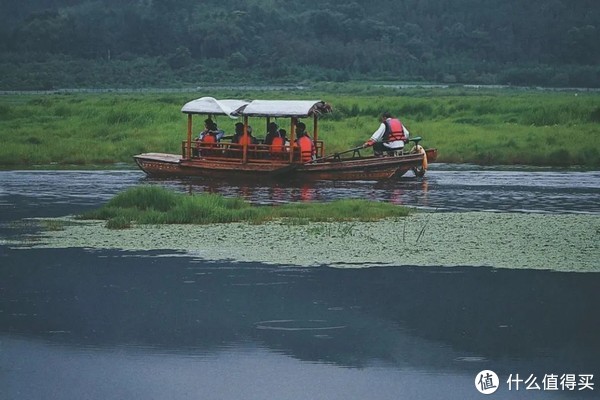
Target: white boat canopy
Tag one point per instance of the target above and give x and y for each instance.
(210, 105)
(284, 108)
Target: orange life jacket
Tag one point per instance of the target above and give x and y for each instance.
(245, 140)
(277, 144)
(307, 148)
(394, 130)
(209, 139)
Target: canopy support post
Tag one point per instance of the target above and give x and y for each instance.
(316, 135)
(189, 137)
(292, 138)
(245, 143)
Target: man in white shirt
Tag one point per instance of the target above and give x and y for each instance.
(390, 136)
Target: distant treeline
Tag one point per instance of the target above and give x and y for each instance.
(46, 44)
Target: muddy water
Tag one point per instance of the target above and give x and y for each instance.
(106, 324)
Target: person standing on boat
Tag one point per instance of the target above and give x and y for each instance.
(389, 137)
(307, 146)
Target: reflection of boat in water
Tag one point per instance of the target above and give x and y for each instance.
(262, 161)
(402, 191)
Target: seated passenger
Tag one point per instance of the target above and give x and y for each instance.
(307, 147)
(209, 137)
(210, 128)
(208, 123)
(239, 131)
(275, 140)
(278, 144)
(248, 138)
(272, 133)
(283, 133)
(206, 145)
(389, 138)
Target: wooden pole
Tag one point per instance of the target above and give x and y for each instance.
(292, 137)
(316, 133)
(245, 144)
(189, 137)
(268, 123)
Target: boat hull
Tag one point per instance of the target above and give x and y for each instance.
(364, 168)
(370, 168)
(166, 165)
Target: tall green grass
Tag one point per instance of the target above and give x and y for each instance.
(484, 127)
(85, 129)
(156, 205)
(543, 129)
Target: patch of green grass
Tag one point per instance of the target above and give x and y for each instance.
(156, 205)
(119, 222)
(53, 224)
(465, 126)
(56, 224)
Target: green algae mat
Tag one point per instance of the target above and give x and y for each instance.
(501, 240)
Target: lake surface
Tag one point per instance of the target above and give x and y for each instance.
(446, 187)
(106, 324)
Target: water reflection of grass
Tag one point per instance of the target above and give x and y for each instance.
(156, 205)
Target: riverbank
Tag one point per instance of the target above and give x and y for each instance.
(501, 240)
(479, 126)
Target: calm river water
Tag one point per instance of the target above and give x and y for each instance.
(106, 324)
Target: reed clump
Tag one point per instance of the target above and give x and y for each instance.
(156, 205)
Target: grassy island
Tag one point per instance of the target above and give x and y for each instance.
(156, 205)
(502, 240)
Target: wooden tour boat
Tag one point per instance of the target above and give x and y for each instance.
(226, 159)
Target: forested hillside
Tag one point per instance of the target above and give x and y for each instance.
(132, 43)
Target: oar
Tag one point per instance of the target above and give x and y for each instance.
(335, 155)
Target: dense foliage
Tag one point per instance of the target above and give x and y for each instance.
(91, 43)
